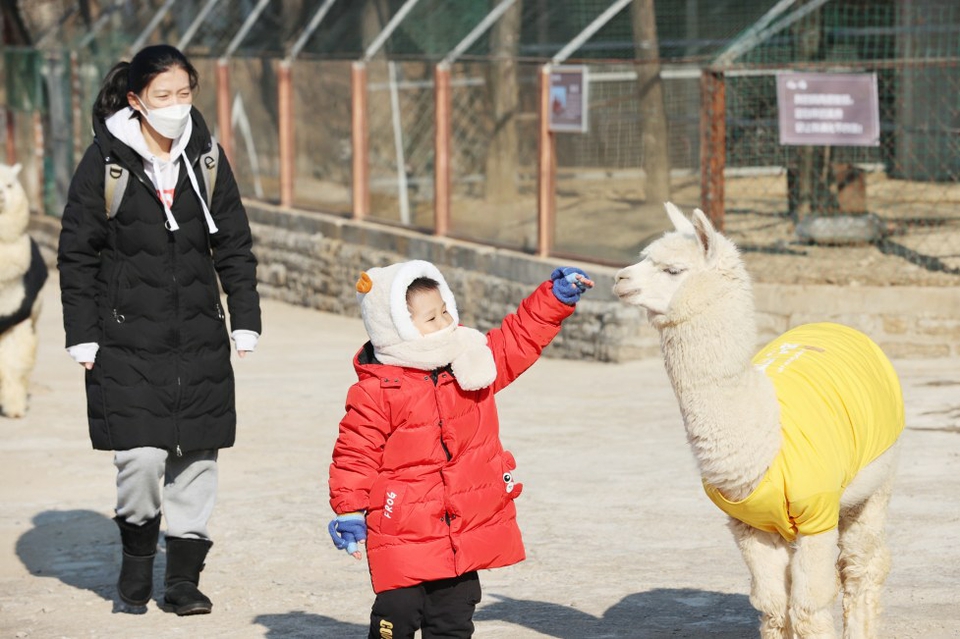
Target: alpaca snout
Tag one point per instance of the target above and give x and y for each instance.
(622, 285)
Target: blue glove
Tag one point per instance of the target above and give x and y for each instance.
(347, 531)
(566, 287)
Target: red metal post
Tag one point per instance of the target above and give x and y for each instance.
(285, 109)
(441, 164)
(75, 109)
(39, 153)
(223, 107)
(713, 144)
(361, 184)
(546, 172)
(11, 134)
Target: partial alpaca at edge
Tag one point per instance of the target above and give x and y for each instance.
(22, 274)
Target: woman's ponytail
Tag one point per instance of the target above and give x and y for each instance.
(113, 92)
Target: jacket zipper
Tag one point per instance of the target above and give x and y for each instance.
(447, 517)
(176, 309)
(176, 315)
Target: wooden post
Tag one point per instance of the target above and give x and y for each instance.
(287, 141)
(713, 144)
(361, 185)
(223, 107)
(546, 171)
(441, 160)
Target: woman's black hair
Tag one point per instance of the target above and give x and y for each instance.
(137, 74)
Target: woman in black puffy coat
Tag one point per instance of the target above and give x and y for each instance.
(142, 312)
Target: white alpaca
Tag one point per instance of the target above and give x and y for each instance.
(22, 273)
(815, 396)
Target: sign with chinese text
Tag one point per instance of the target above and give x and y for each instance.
(836, 109)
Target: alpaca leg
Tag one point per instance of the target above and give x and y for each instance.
(18, 348)
(864, 563)
(768, 559)
(813, 572)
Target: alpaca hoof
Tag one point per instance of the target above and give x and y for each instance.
(14, 413)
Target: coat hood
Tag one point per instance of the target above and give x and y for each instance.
(124, 126)
(382, 293)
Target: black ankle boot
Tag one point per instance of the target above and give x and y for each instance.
(184, 562)
(139, 550)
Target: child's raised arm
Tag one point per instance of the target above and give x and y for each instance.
(523, 335)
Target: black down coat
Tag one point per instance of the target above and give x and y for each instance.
(149, 297)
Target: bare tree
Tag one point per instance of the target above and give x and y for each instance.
(15, 30)
(808, 180)
(376, 14)
(502, 154)
(653, 117)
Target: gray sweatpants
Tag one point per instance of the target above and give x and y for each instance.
(188, 494)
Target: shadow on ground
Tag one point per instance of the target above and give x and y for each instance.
(81, 548)
(656, 614)
(302, 625)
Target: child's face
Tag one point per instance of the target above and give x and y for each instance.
(428, 312)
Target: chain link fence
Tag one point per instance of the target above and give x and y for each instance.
(907, 187)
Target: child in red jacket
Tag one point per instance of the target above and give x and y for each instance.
(419, 474)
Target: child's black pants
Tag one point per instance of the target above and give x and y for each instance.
(442, 608)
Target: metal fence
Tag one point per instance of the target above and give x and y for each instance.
(717, 69)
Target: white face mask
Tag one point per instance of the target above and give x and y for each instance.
(168, 121)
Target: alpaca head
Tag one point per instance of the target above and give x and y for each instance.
(683, 272)
(14, 209)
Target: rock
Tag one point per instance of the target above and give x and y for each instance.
(841, 229)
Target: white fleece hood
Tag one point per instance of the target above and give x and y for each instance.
(382, 293)
(125, 126)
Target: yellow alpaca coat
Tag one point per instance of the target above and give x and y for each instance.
(840, 408)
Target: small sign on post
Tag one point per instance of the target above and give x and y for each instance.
(568, 99)
(828, 109)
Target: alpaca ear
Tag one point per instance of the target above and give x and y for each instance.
(16, 169)
(680, 221)
(704, 232)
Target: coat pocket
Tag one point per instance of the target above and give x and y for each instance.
(117, 289)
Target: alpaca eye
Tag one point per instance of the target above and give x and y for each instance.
(507, 478)
(672, 270)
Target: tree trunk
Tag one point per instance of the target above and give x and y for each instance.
(809, 185)
(502, 163)
(376, 14)
(653, 116)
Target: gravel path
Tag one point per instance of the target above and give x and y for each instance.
(621, 540)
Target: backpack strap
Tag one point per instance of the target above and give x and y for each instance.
(209, 163)
(115, 179)
(114, 186)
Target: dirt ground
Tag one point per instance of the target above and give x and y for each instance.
(621, 541)
(605, 218)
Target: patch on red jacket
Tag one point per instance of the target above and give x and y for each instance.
(392, 509)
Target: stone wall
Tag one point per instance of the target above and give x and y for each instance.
(312, 259)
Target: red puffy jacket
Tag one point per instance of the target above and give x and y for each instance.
(423, 458)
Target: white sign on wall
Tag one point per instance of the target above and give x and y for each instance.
(568, 99)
